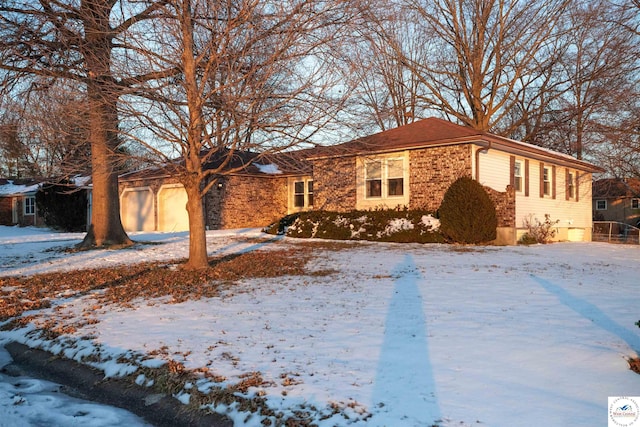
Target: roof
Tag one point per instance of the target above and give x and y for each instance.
(240, 163)
(613, 188)
(19, 187)
(433, 132)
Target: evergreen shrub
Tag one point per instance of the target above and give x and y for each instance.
(467, 213)
(386, 225)
(63, 207)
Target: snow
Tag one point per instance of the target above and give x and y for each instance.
(10, 188)
(399, 335)
(269, 169)
(32, 402)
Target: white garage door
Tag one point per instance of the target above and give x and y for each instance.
(172, 209)
(136, 210)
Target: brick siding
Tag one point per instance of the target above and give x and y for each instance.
(334, 184)
(505, 205)
(433, 170)
(246, 201)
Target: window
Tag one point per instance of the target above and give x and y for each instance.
(30, 205)
(373, 177)
(635, 203)
(301, 198)
(517, 174)
(546, 177)
(384, 178)
(571, 185)
(298, 194)
(601, 205)
(395, 182)
(310, 193)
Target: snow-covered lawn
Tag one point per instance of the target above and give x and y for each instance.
(398, 335)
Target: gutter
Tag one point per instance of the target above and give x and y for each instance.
(477, 155)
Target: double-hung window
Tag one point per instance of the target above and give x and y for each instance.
(635, 203)
(546, 181)
(517, 175)
(303, 194)
(395, 180)
(601, 205)
(384, 178)
(30, 205)
(373, 178)
(571, 185)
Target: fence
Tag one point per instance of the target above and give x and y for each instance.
(615, 232)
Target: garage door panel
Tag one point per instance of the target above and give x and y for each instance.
(137, 210)
(172, 206)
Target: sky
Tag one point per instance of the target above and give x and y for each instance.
(396, 335)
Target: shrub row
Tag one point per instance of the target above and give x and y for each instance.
(467, 215)
(405, 226)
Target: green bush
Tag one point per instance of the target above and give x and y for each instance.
(378, 225)
(63, 207)
(280, 226)
(467, 213)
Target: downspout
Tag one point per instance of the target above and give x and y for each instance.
(480, 150)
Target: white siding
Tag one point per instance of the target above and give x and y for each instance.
(494, 169)
(495, 172)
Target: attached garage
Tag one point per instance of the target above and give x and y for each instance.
(172, 208)
(136, 209)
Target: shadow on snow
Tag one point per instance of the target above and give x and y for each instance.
(404, 378)
(591, 312)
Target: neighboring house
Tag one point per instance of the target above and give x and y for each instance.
(18, 202)
(410, 166)
(617, 199)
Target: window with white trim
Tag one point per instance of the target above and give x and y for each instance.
(517, 175)
(635, 203)
(601, 205)
(373, 178)
(303, 194)
(571, 185)
(384, 178)
(30, 205)
(310, 193)
(546, 178)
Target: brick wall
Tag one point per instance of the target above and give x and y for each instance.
(505, 205)
(245, 201)
(433, 170)
(334, 184)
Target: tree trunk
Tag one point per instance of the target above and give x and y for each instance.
(106, 226)
(197, 234)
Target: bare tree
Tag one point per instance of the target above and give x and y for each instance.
(45, 132)
(253, 77)
(384, 91)
(79, 41)
(598, 73)
(483, 55)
